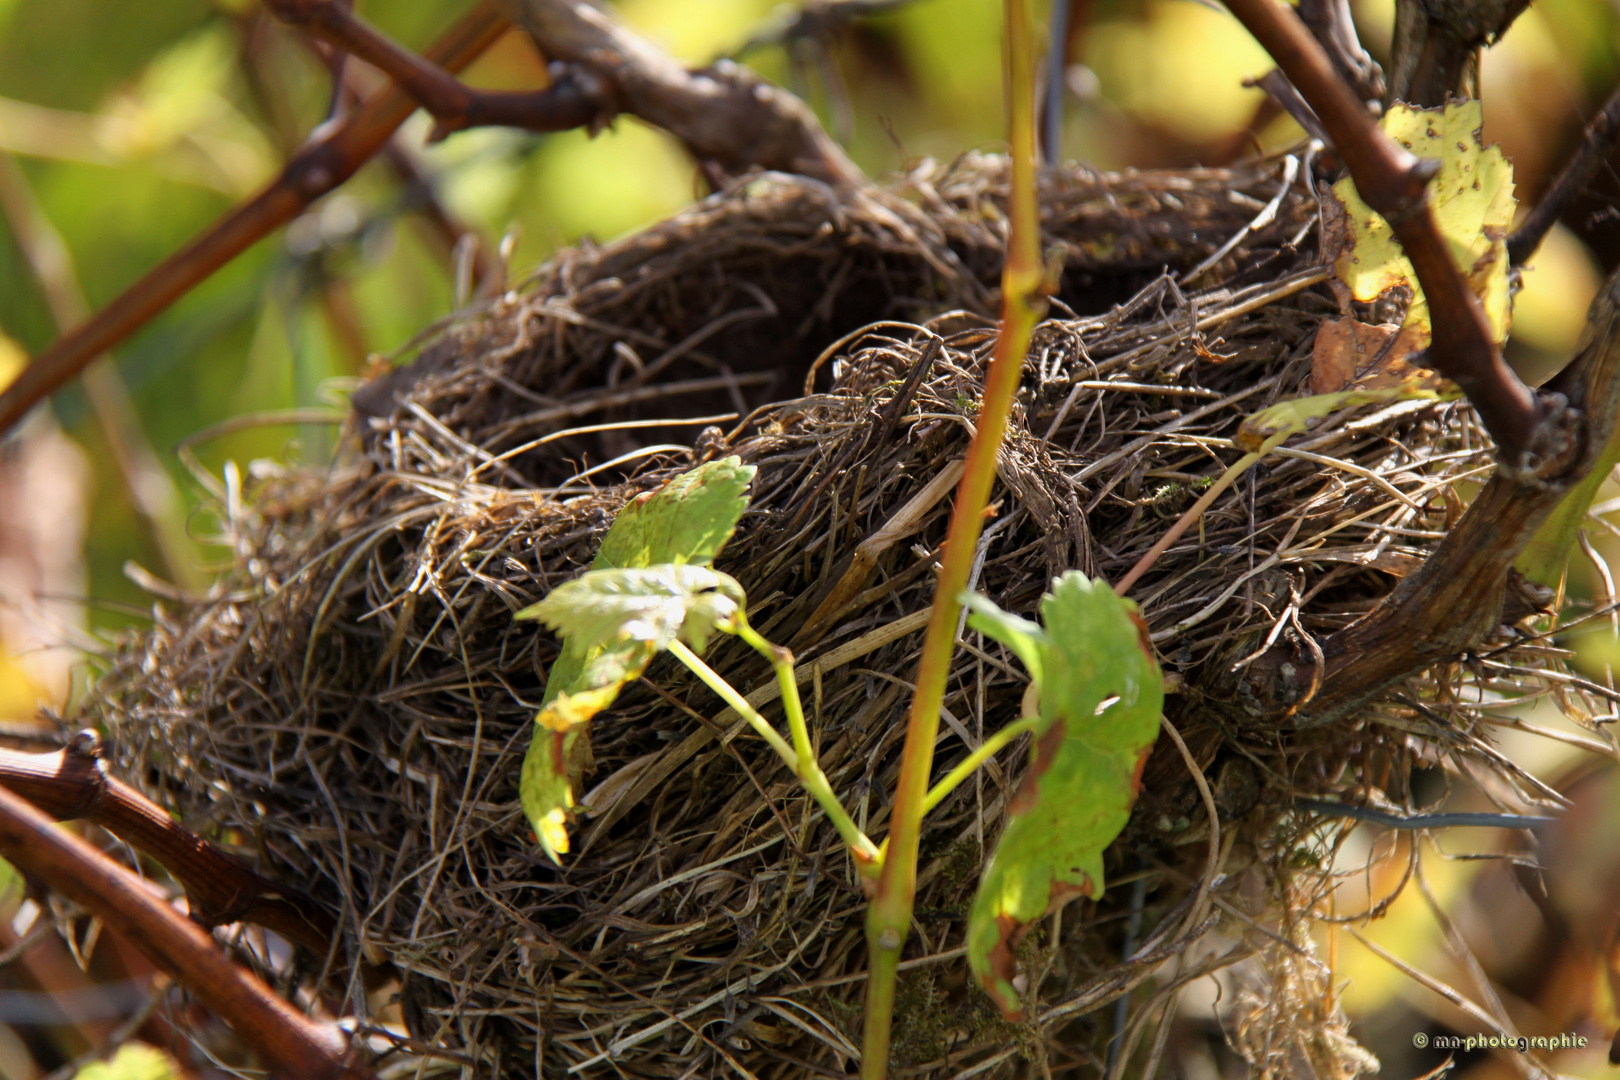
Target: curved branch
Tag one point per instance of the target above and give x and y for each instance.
(294, 1045)
(1455, 600)
(724, 113)
(73, 784)
(327, 161)
(1533, 434)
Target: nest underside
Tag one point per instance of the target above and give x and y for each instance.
(352, 706)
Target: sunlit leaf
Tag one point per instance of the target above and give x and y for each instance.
(648, 584)
(1100, 696)
(560, 750)
(653, 604)
(1270, 426)
(688, 520)
(134, 1061)
(1473, 205)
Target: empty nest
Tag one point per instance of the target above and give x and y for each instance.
(350, 707)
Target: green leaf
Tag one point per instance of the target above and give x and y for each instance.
(560, 750)
(654, 604)
(1545, 556)
(687, 521)
(613, 626)
(1100, 699)
(1473, 204)
(1026, 639)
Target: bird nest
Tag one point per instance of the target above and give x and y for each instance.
(351, 706)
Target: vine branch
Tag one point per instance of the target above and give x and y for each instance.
(724, 114)
(888, 918)
(1456, 598)
(325, 162)
(1533, 433)
(73, 784)
(291, 1043)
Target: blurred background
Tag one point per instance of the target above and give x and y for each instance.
(125, 129)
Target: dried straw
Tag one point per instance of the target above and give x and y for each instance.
(351, 706)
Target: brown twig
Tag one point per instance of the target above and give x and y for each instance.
(1596, 147)
(294, 1045)
(1456, 598)
(724, 114)
(1330, 22)
(326, 162)
(572, 100)
(73, 784)
(1531, 433)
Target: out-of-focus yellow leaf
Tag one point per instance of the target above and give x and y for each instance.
(1407, 929)
(1596, 650)
(618, 181)
(134, 1061)
(1181, 68)
(20, 694)
(942, 42)
(12, 360)
(1473, 205)
(695, 30)
(1549, 312)
(181, 106)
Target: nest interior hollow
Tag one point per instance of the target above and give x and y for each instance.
(353, 709)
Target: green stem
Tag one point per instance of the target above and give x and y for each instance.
(889, 917)
(987, 750)
(811, 776)
(782, 660)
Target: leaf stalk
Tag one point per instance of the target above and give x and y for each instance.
(801, 759)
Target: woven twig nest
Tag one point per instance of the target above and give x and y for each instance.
(352, 707)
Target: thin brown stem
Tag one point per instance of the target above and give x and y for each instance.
(322, 165)
(1531, 433)
(724, 114)
(74, 784)
(569, 102)
(1596, 146)
(290, 1042)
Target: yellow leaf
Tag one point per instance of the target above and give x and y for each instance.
(1473, 205)
(1271, 426)
(12, 360)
